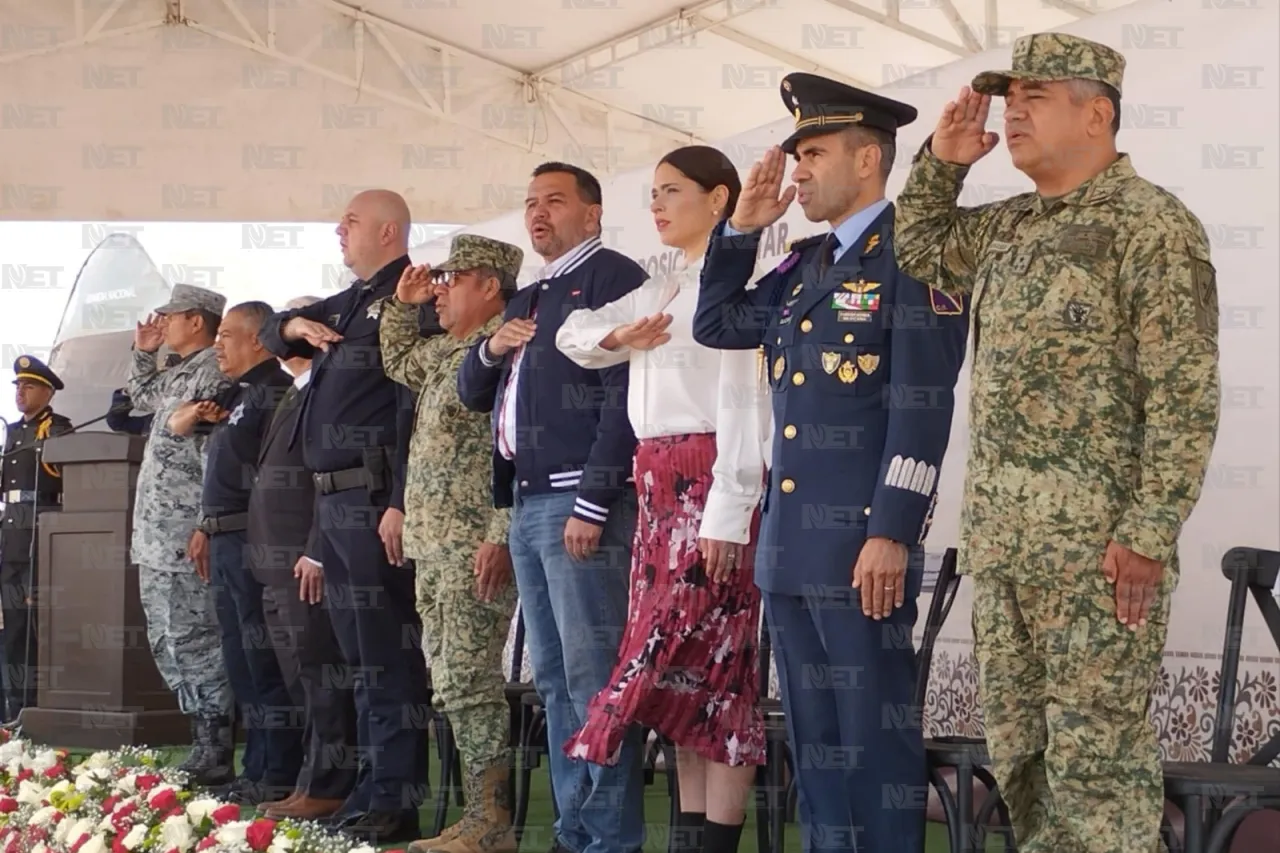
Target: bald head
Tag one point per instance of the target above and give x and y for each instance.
(374, 231)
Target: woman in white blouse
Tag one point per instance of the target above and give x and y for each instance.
(688, 666)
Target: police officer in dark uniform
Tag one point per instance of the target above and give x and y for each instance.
(353, 426)
(862, 362)
(236, 423)
(31, 486)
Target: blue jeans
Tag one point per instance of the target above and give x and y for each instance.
(574, 616)
(273, 736)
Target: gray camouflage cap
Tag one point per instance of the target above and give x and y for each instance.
(188, 297)
(1049, 57)
(468, 251)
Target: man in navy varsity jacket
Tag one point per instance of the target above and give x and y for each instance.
(562, 460)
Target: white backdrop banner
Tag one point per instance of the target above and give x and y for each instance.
(1200, 118)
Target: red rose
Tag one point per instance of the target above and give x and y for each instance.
(164, 800)
(8, 804)
(79, 842)
(110, 803)
(117, 845)
(206, 843)
(225, 814)
(147, 781)
(259, 833)
(24, 774)
(53, 772)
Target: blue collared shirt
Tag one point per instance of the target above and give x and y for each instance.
(848, 232)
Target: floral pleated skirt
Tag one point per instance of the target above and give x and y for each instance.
(689, 662)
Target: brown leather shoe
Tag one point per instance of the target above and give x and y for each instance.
(275, 804)
(305, 808)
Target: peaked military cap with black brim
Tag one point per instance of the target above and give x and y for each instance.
(823, 106)
(35, 370)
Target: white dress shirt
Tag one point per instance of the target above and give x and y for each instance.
(566, 263)
(683, 388)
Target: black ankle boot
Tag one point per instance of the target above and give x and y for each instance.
(720, 837)
(686, 834)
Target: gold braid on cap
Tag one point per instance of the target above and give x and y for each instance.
(802, 123)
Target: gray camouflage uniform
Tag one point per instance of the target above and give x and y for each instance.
(182, 626)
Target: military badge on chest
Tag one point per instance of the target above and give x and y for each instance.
(1076, 313)
(375, 310)
(856, 296)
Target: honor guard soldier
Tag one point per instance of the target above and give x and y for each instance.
(31, 486)
(862, 362)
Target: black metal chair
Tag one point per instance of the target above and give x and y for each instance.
(963, 758)
(447, 747)
(1216, 796)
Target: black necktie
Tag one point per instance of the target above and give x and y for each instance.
(827, 254)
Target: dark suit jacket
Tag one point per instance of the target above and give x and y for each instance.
(281, 505)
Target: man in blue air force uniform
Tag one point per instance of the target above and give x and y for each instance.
(862, 362)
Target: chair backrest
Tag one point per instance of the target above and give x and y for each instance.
(517, 647)
(944, 596)
(1250, 570)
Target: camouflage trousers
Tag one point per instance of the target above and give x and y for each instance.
(1065, 691)
(465, 642)
(182, 628)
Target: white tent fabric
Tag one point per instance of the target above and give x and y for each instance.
(277, 110)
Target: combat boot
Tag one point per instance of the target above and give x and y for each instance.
(198, 748)
(487, 827)
(216, 766)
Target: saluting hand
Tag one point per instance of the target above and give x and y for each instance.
(762, 200)
(1136, 579)
(961, 136)
(513, 335)
(318, 335)
(149, 335)
(416, 286)
(210, 412)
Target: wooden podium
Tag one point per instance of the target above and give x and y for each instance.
(98, 683)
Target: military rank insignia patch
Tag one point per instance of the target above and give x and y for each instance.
(855, 301)
(872, 242)
(944, 303)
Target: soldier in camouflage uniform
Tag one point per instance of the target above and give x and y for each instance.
(1093, 413)
(182, 626)
(458, 541)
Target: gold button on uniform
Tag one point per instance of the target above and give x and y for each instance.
(797, 378)
(788, 486)
(789, 431)
(848, 339)
(806, 326)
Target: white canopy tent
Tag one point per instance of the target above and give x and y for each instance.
(277, 110)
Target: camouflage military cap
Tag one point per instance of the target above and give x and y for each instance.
(468, 251)
(188, 297)
(1046, 57)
